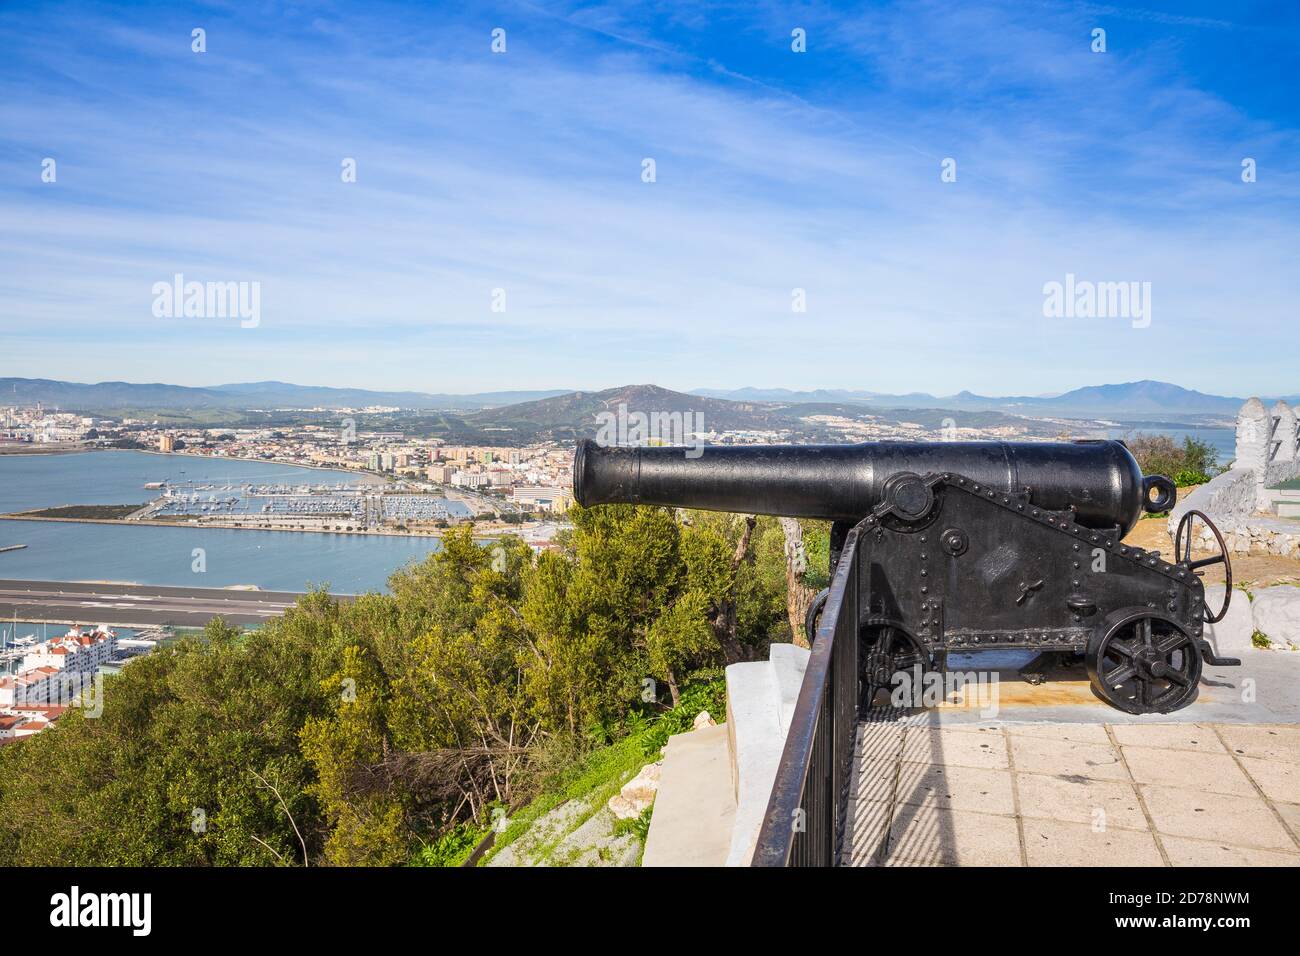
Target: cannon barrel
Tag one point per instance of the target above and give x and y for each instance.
(1099, 479)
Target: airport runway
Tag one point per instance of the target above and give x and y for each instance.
(137, 605)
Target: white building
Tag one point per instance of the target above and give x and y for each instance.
(55, 671)
(41, 687)
(470, 479)
(75, 651)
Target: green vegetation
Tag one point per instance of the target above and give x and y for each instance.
(452, 848)
(1194, 463)
(1260, 639)
(593, 775)
(387, 730)
(85, 511)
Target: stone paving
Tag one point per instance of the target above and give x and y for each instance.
(1074, 794)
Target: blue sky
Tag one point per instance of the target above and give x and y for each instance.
(775, 170)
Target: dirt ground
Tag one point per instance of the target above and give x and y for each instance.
(1248, 570)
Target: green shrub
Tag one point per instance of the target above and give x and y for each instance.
(452, 848)
(704, 690)
(1191, 464)
(1189, 477)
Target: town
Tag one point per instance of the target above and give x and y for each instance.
(424, 483)
(406, 483)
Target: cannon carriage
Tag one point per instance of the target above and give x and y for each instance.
(967, 547)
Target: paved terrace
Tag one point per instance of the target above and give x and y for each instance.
(1058, 779)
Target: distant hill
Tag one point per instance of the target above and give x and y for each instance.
(1145, 398)
(575, 415)
(117, 395)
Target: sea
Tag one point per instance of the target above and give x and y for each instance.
(146, 554)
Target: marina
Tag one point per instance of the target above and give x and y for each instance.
(320, 507)
(151, 554)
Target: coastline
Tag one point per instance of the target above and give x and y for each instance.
(32, 451)
(362, 472)
(487, 533)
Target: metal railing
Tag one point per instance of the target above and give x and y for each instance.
(805, 815)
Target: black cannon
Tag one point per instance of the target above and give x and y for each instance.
(968, 546)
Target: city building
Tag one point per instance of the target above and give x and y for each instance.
(471, 479)
(54, 672)
(77, 650)
(543, 499)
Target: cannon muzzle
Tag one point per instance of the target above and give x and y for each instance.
(1099, 479)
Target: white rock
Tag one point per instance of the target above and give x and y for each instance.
(637, 794)
(622, 808)
(1231, 636)
(702, 719)
(1277, 614)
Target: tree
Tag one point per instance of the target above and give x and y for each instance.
(169, 773)
(351, 733)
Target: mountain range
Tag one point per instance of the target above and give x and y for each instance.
(577, 414)
(1145, 400)
(116, 395)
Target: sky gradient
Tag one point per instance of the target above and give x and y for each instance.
(775, 171)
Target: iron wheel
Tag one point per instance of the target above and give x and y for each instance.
(1143, 662)
(886, 650)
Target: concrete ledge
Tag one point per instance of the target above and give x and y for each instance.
(788, 664)
(760, 700)
(695, 809)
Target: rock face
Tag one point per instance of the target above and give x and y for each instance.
(531, 847)
(637, 794)
(581, 833)
(1254, 430)
(1284, 432)
(1276, 612)
(1231, 636)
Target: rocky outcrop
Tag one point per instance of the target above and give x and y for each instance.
(1276, 613)
(637, 794)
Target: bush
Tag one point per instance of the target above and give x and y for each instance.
(383, 730)
(1189, 477)
(705, 690)
(452, 848)
(1194, 463)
